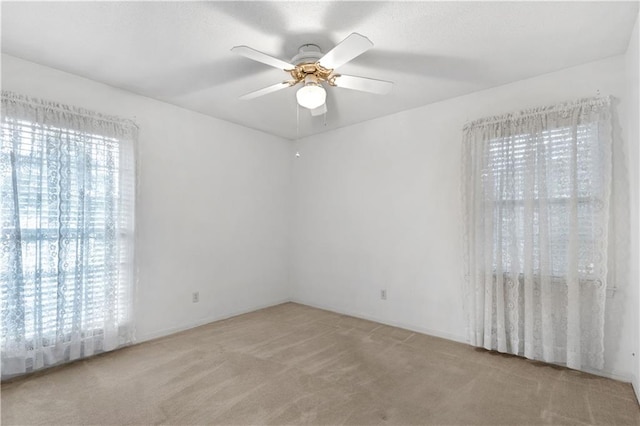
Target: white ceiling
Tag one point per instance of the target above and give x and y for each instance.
(178, 52)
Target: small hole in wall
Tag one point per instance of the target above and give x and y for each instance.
(297, 155)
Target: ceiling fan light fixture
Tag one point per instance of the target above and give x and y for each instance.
(311, 68)
(311, 95)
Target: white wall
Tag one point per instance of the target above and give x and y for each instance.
(632, 66)
(212, 206)
(377, 206)
(372, 206)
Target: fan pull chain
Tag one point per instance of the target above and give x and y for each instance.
(297, 121)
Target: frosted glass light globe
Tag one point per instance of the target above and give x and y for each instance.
(311, 95)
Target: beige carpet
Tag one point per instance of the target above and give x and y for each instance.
(292, 364)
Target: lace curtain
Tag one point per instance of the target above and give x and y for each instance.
(536, 189)
(66, 260)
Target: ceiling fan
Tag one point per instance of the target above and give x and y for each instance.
(312, 68)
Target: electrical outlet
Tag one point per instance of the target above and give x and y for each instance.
(383, 294)
(196, 297)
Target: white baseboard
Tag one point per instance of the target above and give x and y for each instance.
(421, 330)
(203, 321)
(615, 375)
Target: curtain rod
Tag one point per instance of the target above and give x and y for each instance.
(593, 101)
(25, 100)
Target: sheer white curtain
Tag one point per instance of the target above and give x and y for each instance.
(536, 189)
(66, 261)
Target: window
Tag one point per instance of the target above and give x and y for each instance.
(541, 167)
(536, 189)
(66, 270)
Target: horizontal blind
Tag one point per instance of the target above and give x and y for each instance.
(70, 226)
(516, 162)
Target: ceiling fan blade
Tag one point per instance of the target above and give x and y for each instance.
(262, 57)
(266, 90)
(322, 109)
(352, 46)
(371, 85)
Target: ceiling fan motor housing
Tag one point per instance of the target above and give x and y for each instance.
(307, 53)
